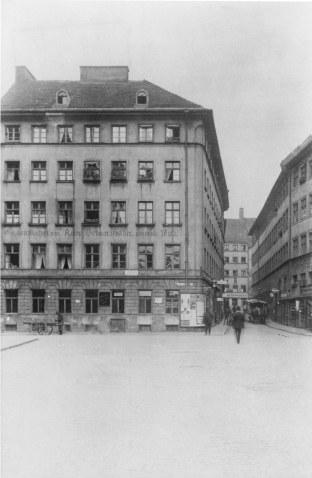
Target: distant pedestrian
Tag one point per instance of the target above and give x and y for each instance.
(208, 319)
(59, 321)
(238, 323)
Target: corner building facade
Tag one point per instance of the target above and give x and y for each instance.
(113, 201)
(282, 242)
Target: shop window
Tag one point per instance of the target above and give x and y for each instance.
(12, 134)
(12, 212)
(11, 301)
(92, 301)
(146, 252)
(172, 258)
(172, 210)
(92, 213)
(38, 212)
(118, 302)
(64, 256)
(38, 256)
(119, 134)
(145, 301)
(173, 134)
(146, 171)
(92, 256)
(11, 256)
(65, 301)
(145, 212)
(39, 171)
(118, 212)
(39, 134)
(172, 302)
(65, 134)
(91, 171)
(119, 171)
(65, 212)
(172, 171)
(92, 134)
(146, 133)
(119, 256)
(12, 171)
(38, 298)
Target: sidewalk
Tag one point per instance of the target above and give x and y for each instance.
(286, 328)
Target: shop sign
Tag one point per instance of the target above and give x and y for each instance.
(219, 299)
(238, 295)
(284, 295)
(306, 289)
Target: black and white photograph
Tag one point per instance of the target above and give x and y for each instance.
(156, 239)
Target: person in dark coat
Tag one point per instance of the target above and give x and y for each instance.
(59, 321)
(208, 319)
(238, 323)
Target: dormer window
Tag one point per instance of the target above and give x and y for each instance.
(142, 98)
(62, 98)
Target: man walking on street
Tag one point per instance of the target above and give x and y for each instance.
(208, 318)
(59, 321)
(238, 323)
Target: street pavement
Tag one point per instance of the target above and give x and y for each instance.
(158, 405)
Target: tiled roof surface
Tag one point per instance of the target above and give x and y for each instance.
(42, 94)
(236, 230)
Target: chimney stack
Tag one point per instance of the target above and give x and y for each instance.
(241, 213)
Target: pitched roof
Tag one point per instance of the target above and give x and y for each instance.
(236, 230)
(42, 95)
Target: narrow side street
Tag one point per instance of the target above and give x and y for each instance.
(158, 405)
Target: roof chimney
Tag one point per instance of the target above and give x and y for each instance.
(98, 74)
(22, 74)
(241, 213)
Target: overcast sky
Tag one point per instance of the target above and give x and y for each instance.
(250, 62)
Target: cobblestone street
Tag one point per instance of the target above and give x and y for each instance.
(178, 405)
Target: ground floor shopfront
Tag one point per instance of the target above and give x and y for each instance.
(110, 304)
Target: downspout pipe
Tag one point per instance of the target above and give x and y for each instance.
(186, 201)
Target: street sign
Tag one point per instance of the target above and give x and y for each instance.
(275, 291)
(271, 295)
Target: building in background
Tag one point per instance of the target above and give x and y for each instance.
(113, 200)
(237, 260)
(282, 242)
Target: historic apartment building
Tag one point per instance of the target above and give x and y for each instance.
(237, 260)
(113, 200)
(282, 242)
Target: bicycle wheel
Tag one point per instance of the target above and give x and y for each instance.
(42, 328)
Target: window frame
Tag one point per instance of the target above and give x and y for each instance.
(143, 213)
(41, 128)
(93, 253)
(143, 138)
(92, 171)
(117, 136)
(167, 213)
(67, 134)
(148, 177)
(93, 137)
(119, 171)
(11, 302)
(119, 257)
(171, 299)
(13, 169)
(172, 139)
(13, 212)
(118, 302)
(174, 255)
(65, 302)
(8, 253)
(66, 210)
(142, 94)
(148, 257)
(39, 208)
(295, 212)
(68, 255)
(119, 223)
(172, 169)
(42, 172)
(39, 300)
(67, 170)
(89, 221)
(39, 252)
(145, 299)
(16, 135)
(93, 302)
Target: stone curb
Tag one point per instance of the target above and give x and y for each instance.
(289, 331)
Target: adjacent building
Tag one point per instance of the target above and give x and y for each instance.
(282, 242)
(237, 261)
(113, 201)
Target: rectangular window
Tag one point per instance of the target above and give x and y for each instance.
(146, 171)
(39, 134)
(243, 259)
(38, 212)
(244, 273)
(173, 134)
(11, 301)
(146, 252)
(303, 208)
(65, 212)
(11, 256)
(235, 247)
(294, 280)
(244, 247)
(146, 133)
(119, 171)
(227, 273)
(92, 301)
(38, 256)
(226, 247)
(39, 171)
(91, 171)
(295, 212)
(65, 134)
(243, 288)
(145, 212)
(119, 134)
(12, 170)
(92, 212)
(303, 244)
(303, 173)
(145, 301)
(12, 134)
(235, 259)
(118, 302)
(172, 213)
(118, 212)
(92, 256)
(172, 171)
(295, 177)
(65, 170)
(295, 246)
(303, 278)
(172, 301)
(12, 212)
(64, 256)
(172, 256)
(92, 134)
(226, 259)
(235, 274)
(38, 301)
(235, 288)
(118, 256)
(65, 301)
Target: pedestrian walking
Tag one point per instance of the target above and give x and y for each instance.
(208, 319)
(238, 323)
(59, 321)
